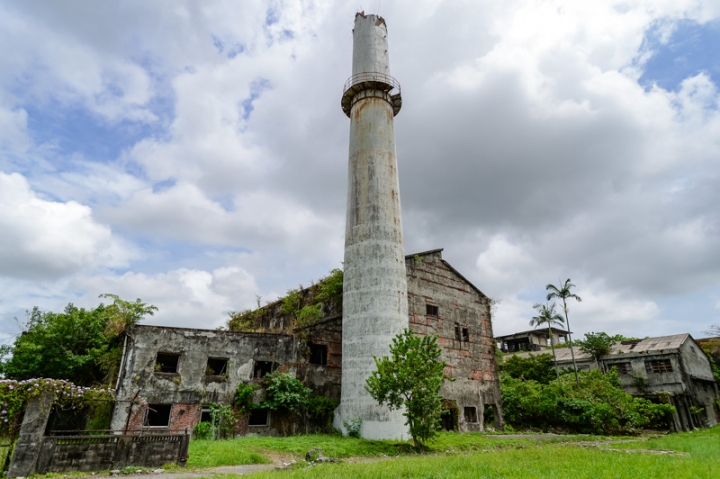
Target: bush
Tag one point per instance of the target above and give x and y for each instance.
(598, 406)
(244, 398)
(203, 430)
(537, 367)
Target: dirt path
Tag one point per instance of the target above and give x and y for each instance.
(239, 470)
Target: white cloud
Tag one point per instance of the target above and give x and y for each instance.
(184, 297)
(45, 238)
(526, 148)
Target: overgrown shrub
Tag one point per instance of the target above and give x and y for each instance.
(537, 367)
(203, 430)
(244, 398)
(597, 406)
(353, 427)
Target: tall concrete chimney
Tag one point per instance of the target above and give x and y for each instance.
(375, 285)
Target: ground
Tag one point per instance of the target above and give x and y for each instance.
(686, 455)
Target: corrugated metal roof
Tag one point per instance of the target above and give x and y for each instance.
(643, 345)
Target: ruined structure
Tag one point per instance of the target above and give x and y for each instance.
(375, 289)
(532, 340)
(328, 335)
(667, 367)
(181, 371)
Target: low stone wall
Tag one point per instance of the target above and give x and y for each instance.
(93, 453)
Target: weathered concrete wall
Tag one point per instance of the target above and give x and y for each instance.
(462, 323)
(95, 453)
(374, 287)
(702, 385)
(191, 385)
(324, 380)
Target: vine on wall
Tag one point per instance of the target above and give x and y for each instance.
(14, 397)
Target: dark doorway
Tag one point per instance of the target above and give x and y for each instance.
(448, 418)
(489, 414)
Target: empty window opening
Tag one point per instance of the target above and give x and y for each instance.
(622, 368)
(258, 417)
(216, 366)
(262, 369)
(205, 416)
(658, 366)
(431, 310)
(465, 334)
(470, 414)
(158, 415)
(457, 332)
(166, 363)
(318, 354)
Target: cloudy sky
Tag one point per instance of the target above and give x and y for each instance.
(194, 154)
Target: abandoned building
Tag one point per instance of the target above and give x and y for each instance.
(532, 340)
(672, 366)
(180, 371)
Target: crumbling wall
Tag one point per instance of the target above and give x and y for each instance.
(323, 379)
(442, 302)
(191, 384)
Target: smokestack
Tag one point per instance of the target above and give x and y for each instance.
(375, 283)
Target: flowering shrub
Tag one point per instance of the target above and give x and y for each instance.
(14, 396)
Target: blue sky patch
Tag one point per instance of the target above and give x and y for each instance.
(256, 89)
(164, 185)
(272, 16)
(692, 49)
(232, 52)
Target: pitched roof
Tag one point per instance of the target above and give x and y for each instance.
(622, 347)
(450, 267)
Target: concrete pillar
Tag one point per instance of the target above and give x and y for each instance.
(375, 283)
(27, 448)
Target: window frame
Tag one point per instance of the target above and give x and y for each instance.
(468, 413)
(322, 349)
(155, 408)
(167, 354)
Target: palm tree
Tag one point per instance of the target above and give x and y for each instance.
(548, 315)
(565, 294)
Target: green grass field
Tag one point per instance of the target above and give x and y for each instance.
(475, 455)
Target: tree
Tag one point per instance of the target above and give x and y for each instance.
(714, 329)
(78, 345)
(564, 293)
(412, 377)
(535, 367)
(548, 315)
(597, 345)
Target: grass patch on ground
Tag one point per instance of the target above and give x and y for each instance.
(222, 453)
(475, 455)
(702, 444)
(254, 450)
